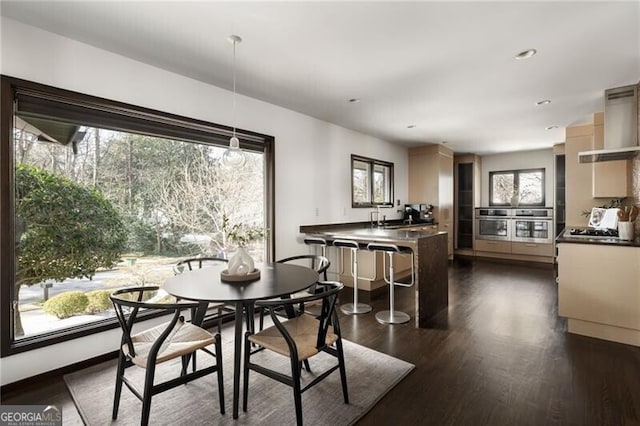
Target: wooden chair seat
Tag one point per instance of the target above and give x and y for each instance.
(303, 330)
(173, 339)
(298, 338)
(186, 339)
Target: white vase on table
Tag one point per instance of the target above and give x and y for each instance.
(240, 263)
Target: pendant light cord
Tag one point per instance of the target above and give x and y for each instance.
(234, 87)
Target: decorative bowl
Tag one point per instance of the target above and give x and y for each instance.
(251, 276)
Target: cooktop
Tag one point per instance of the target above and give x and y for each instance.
(591, 233)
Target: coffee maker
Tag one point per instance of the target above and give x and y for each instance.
(418, 213)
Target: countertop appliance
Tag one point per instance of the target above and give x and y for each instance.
(585, 232)
(418, 213)
(620, 127)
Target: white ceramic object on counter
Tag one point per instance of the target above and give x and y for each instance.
(625, 230)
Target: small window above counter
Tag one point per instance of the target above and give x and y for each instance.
(371, 182)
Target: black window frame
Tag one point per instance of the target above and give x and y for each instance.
(372, 163)
(516, 183)
(47, 101)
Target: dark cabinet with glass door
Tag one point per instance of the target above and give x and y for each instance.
(464, 209)
(560, 202)
(466, 199)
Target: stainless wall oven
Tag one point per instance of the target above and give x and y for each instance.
(532, 226)
(493, 224)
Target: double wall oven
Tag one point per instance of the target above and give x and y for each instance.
(532, 226)
(493, 224)
(522, 225)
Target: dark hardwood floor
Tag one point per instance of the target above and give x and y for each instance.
(499, 356)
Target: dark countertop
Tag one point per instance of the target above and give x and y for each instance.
(599, 241)
(363, 232)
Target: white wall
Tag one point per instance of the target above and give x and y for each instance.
(537, 159)
(312, 156)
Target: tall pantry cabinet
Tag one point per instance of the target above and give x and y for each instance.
(431, 182)
(466, 198)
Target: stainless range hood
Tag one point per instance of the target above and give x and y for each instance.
(620, 127)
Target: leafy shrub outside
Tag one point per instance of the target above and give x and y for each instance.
(63, 230)
(98, 301)
(66, 304)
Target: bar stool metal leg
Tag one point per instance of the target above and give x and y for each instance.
(354, 308)
(391, 316)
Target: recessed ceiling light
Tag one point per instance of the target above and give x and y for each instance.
(551, 127)
(411, 126)
(354, 100)
(544, 102)
(526, 54)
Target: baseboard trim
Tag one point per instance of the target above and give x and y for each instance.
(7, 390)
(511, 261)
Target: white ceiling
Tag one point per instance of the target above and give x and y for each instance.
(446, 67)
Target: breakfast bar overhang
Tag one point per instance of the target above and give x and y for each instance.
(430, 260)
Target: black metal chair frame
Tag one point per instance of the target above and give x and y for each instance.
(319, 263)
(322, 243)
(127, 320)
(328, 317)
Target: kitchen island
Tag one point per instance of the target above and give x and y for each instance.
(430, 259)
(599, 287)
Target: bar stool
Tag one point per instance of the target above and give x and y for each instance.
(391, 316)
(322, 243)
(355, 307)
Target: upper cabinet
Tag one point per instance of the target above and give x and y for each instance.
(578, 196)
(610, 179)
(431, 181)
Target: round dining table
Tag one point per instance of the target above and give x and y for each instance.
(205, 286)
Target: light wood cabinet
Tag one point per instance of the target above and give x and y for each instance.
(431, 182)
(515, 250)
(598, 301)
(493, 246)
(372, 267)
(578, 197)
(610, 179)
(532, 249)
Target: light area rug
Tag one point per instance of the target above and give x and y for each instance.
(370, 375)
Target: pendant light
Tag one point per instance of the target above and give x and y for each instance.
(233, 156)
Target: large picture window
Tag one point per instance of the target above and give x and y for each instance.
(98, 195)
(371, 182)
(517, 187)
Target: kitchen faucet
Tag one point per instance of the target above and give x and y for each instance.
(374, 217)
